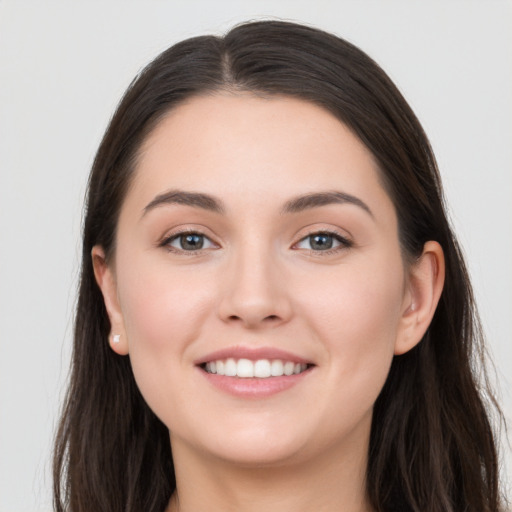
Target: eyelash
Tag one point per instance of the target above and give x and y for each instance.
(345, 243)
(167, 241)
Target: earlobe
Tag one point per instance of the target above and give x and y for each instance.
(106, 281)
(424, 287)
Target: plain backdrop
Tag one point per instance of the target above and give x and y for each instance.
(63, 68)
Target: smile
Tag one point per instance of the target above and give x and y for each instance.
(260, 369)
(254, 373)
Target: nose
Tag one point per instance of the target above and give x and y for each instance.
(255, 294)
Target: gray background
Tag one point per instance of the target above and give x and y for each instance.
(64, 66)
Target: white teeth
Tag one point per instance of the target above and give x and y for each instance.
(230, 368)
(211, 367)
(261, 369)
(245, 368)
(276, 368)
(288, 368)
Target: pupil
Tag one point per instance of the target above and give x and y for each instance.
(191, 242)
(319, 242)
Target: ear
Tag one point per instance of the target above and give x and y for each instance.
(424, 285)
(105, 277)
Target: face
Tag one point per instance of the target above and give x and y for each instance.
(256, 241)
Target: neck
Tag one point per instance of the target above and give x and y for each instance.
(331, 482)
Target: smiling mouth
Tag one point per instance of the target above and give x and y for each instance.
(260, 369)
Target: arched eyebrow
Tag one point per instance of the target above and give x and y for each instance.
(316, 199)
(295, 205)
(195, 199)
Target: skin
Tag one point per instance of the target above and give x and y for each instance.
(258, 283)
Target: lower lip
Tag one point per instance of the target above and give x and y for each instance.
(254, 387)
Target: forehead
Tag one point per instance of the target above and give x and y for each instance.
(242, 146)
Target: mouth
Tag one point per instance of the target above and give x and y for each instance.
(254, 373)
(244, 368)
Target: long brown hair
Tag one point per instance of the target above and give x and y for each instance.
(432, 447)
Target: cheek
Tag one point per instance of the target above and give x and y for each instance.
(164, 312)
(355, 300)
(357, 317)
(162, 305)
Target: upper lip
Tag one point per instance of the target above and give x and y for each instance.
(252, 353)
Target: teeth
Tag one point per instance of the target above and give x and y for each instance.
(276, 368)
(245, 368)
(261, 369)
(288, 368)
(230, 368)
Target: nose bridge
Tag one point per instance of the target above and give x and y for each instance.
(255, 294)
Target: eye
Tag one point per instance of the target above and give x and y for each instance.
(188, 241)
(323, 241)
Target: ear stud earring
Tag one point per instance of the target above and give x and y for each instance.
(116, 338)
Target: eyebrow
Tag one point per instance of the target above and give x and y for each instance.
(317, 199)
(295, 205)
(195, 199)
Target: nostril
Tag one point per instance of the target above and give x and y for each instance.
(271, 318)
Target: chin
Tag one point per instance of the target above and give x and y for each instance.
(259, 455)
(257, 445)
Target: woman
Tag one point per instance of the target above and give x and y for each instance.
(265, 239)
